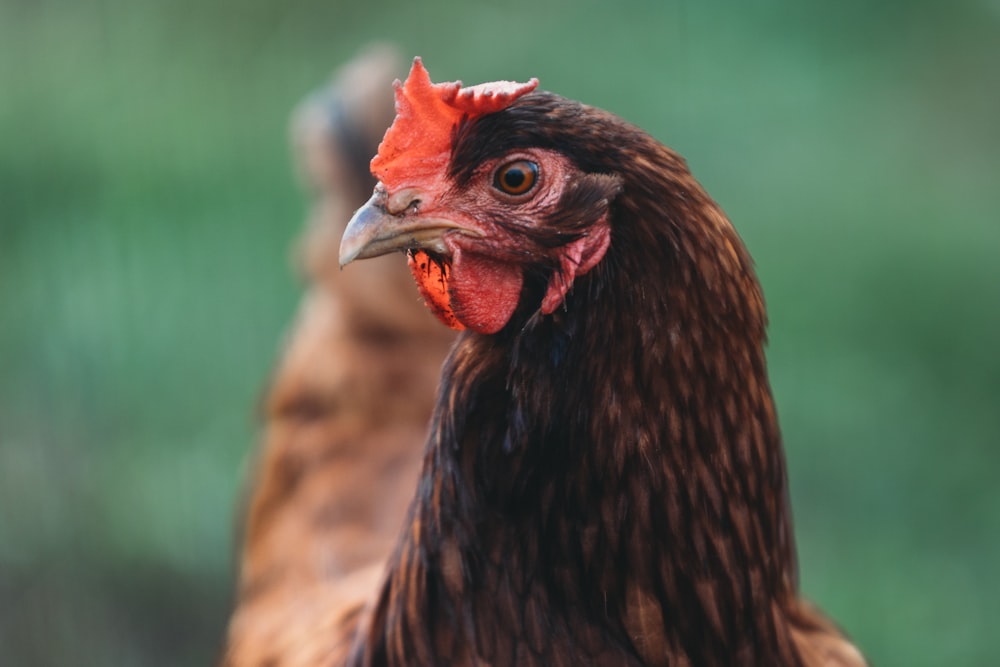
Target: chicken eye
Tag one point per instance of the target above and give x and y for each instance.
(516, 178)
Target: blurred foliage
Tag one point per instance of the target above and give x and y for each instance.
(147, 208)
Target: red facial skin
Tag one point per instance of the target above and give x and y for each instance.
(479, 283)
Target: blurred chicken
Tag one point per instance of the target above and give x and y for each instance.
(347, 411)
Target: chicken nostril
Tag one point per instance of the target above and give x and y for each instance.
(404, 201)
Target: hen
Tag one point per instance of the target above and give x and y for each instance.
(346, 412)
(604, 482)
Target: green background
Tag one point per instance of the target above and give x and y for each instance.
(147, 209)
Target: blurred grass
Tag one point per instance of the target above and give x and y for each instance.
(147, 208)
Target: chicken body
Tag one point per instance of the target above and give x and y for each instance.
(346, 412)
(604, 482)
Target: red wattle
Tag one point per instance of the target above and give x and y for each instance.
(472, 291)
(484, 291)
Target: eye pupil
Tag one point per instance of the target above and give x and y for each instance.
(516, 178)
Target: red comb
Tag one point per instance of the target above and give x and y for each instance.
(418, 143)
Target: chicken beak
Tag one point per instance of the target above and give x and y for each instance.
(375, 231)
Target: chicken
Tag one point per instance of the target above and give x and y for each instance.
(604, 482)
(347, 410)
